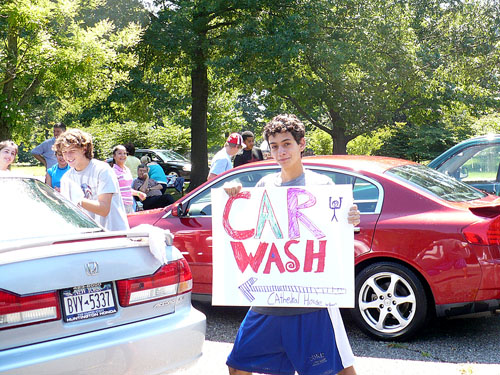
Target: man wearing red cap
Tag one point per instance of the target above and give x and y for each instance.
(221, 161)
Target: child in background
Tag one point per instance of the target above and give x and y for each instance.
(90, 183)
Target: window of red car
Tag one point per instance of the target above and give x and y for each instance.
(436, 183)
(366, 194)
(201, 204)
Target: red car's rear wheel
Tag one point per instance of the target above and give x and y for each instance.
(391, 303)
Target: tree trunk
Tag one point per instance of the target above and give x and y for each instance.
(339, 140)
(199, 95)
(4, 130)
(8, 84)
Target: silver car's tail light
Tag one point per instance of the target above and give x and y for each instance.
(170, 280)
(22, 310)
(186, 278)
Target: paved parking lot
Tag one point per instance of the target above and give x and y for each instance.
(215, 353)
(462, 346)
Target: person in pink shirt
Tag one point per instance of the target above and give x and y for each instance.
(125, 179)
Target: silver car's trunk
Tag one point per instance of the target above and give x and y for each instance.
(60, 266)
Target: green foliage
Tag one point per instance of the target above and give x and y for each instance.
(401, 78)
(417, 143)
(370, 144)
(319, 142)
(146, 135)
(199, 38)
(254, 112)
(24, 155)
(487, 124)
(224, 117)
(350, 67)
(52, 64)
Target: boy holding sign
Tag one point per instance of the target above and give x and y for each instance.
(282, 340)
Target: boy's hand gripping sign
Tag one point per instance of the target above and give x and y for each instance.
(283, 246)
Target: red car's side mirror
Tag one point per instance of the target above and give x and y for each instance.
(177, 210)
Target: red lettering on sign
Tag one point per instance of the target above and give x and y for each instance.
(235, 234)
(294, 264)
(311, 255)
(274, 257)
(243, 259)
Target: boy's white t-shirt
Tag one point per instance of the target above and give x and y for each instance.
(221, 162)
(96, 179)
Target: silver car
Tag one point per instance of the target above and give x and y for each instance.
(77, 299)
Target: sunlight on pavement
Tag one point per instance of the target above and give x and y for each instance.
(215, 354)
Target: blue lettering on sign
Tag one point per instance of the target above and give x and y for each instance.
(277, 292)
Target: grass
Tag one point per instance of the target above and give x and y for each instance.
(481, 176)
(31, 170)
(177, 194)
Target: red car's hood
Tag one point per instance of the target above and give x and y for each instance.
(147, 216)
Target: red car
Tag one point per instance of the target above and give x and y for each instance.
(427, 245)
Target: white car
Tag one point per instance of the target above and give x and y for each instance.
(77, 299)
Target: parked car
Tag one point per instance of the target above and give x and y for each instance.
(475, 161)
(171, 162)
(77, 299)
(427, 244)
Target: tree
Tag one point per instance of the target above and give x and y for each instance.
(487, 124)
(50, 60)
(350, 67)
(143, 135)
(198, 37)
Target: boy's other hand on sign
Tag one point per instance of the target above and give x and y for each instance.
(232, 188)
(353, 216)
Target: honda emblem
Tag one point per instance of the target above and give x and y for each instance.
(92, 268)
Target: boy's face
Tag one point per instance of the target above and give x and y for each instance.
(233, 149)
(75, 157)
(285, 150)
(249, 142)
(60, 160)
(58, 132)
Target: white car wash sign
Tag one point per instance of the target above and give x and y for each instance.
(283, 246)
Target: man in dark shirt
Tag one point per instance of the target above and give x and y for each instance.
(249, 153)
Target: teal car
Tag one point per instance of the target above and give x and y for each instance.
(475, 161)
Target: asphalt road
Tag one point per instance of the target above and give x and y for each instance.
(462, 346)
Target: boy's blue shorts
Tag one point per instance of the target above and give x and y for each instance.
(306, 343)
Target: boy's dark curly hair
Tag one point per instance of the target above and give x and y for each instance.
(285, 123)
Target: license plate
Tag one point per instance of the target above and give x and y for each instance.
(88, 301)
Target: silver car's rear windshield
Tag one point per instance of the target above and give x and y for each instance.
(30, 209)
(436, 183)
